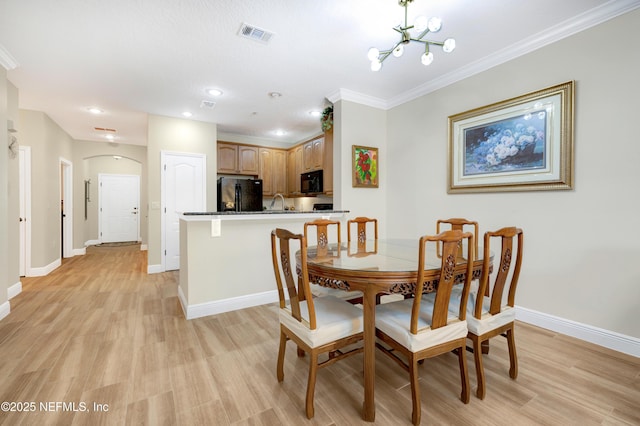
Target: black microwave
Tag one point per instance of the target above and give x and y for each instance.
(311, 182)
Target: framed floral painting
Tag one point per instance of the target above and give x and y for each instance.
(521, 144)
(365, 166)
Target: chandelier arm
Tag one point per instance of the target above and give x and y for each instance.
(436, 43)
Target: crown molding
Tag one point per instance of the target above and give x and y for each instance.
(360, 98)
(6, 60)
(572, 26)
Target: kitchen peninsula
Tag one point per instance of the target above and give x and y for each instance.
(225, 257)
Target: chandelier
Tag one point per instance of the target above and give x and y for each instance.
(423, 26)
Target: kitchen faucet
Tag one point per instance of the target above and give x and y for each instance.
(274, 200)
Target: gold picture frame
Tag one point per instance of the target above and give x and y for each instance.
(520, 144)
(364, 167)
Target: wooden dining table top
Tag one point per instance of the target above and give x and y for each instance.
(391, 265)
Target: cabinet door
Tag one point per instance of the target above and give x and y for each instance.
(266, 171)
(307, 157)
(248, 161)
(317, 154)
(328, 162)
(227, 158)
(294, 169)
(279, 170)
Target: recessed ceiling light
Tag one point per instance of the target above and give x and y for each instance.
(275, 95)
(95, 110)
(214, 92)
(187, 114)
(315, 113)
(280, 132)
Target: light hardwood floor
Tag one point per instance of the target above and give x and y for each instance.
(100, 330)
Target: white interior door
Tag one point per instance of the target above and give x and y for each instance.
(184, 190)
(119, 208)
(24, 166)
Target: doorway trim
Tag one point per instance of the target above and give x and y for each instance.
(25, 208)
(66, 196)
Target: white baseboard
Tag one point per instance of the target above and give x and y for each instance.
(154, 269)
(143, 247)
(80, 251)
(14, 290)
(91, 243)
(44, 270)
(226, 305)
(5, 309)
(608, 339)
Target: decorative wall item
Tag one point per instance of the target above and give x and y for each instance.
(520, 144)
(364, 166)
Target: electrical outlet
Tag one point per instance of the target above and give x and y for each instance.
(215, 227)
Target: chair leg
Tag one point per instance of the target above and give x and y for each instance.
(464, 374)
(415, 390)
(477, 356)
(281, 351)
(513, 356)
(311, 383)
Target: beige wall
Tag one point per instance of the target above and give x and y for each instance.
(175, 135)
(49, 144)
(13, 188)
(356, 124)
(581, 245)
(4, 196)
(94, 158)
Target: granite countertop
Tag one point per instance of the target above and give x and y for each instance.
(264, 212)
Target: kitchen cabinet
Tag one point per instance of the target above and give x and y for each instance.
(313, 155)
(273, 171)
(237, 159)
(327, 154)
(294, 169)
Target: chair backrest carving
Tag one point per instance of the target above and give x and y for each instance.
(458, 223)
(284, 267)
(322, 234)
(507, 271)
(361, 234)
(449, 242)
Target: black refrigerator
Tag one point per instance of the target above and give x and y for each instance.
(240, 195)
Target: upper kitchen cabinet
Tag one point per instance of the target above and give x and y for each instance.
(313, 155)
(238, 159)
(294, 169)
(273, 171)
(327, 174)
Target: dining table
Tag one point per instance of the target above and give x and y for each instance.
(374, 267)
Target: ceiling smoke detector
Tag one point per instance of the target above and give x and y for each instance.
(254, 33)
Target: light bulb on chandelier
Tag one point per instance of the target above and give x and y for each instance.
(423, 26)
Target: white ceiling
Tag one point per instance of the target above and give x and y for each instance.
(137, 57)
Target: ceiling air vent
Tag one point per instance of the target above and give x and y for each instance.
(207, 104)
(254, 33)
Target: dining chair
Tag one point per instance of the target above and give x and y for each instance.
(360, 224)
(487, 314)
(323, 325)
(323, 240)
(460, 224)
(423, 327)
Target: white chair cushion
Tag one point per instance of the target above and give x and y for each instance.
(320, 291)
(487, 322)
(394, 319)
(335, 319)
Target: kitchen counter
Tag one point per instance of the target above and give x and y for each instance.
(225, 257)
(265, 214)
